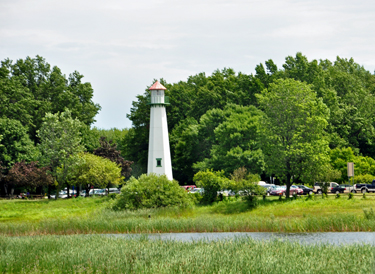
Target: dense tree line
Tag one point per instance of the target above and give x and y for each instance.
(214, 120)
(45, 120)
(300, 122)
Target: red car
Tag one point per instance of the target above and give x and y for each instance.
(188, 188)
(280, 190)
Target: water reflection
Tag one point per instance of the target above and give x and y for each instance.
(335, 238)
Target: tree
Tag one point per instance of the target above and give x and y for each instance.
(93, 171)
(292, 132)
(30, 88)
(16, 144)
(236, 142)
(28, 175)
(109, 150)
(60, 142)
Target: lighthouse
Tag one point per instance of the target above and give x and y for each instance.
(159, 154)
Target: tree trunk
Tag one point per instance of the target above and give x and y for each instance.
(67, 192)
(6, 189)
(11, 192)
(88, 186)
(288, 184)
(49, 191)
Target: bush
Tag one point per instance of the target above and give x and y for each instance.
(251, 200)
(151, 191)
(212, 182)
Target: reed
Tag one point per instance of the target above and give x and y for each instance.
(95, 216)
(99, 254)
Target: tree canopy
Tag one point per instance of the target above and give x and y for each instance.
(293, 138)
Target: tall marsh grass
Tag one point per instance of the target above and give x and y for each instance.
(95, 216)
(99, 254)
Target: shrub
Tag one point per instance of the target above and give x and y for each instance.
(350, 196)
(212, 182)
(151, 191)
(338, 196)
(251, 200)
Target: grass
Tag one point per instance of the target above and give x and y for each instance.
(91, 215)
(99, 254)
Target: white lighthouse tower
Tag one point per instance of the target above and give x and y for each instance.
(159, 154)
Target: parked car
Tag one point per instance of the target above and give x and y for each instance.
(318, 189)
(343, 189)
(281, 190)
(365, 187)
(189, 187)
(306, 190)
(114, 190)
(299, 190)
(197, 190)
(268, 187)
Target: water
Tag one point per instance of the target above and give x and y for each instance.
(335, 238)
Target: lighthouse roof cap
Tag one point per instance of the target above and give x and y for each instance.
(157, 86)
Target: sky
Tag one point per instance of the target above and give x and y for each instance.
(122, 46)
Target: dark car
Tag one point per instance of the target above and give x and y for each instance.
(342, 189)
(306, 190)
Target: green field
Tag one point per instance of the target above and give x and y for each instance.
(99, 254)
(92, 215)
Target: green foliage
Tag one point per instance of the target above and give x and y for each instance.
(151, 191)
(338, 196)
(363, 179)
(94, 171)
(364, 167)
(212, 182)
(30, 88)
(245, 183)
(16, 144)
(234, 141)
(350, 195)
(293, 139)
(60, 141)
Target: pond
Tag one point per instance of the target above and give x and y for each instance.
(335, 238)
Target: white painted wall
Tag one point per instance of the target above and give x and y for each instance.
(159, 141)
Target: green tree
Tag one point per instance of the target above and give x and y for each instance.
(60, 142)
(293, 138)
(30, 88)
(94, 171)
(235, 142)
(16, 144)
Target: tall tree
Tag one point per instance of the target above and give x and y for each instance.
(108, 149)
(30, 88)
(60, 142)
(293, 137)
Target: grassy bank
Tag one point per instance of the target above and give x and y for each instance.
(91, 215)
(97, 254)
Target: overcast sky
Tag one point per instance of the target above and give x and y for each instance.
(121, 46)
